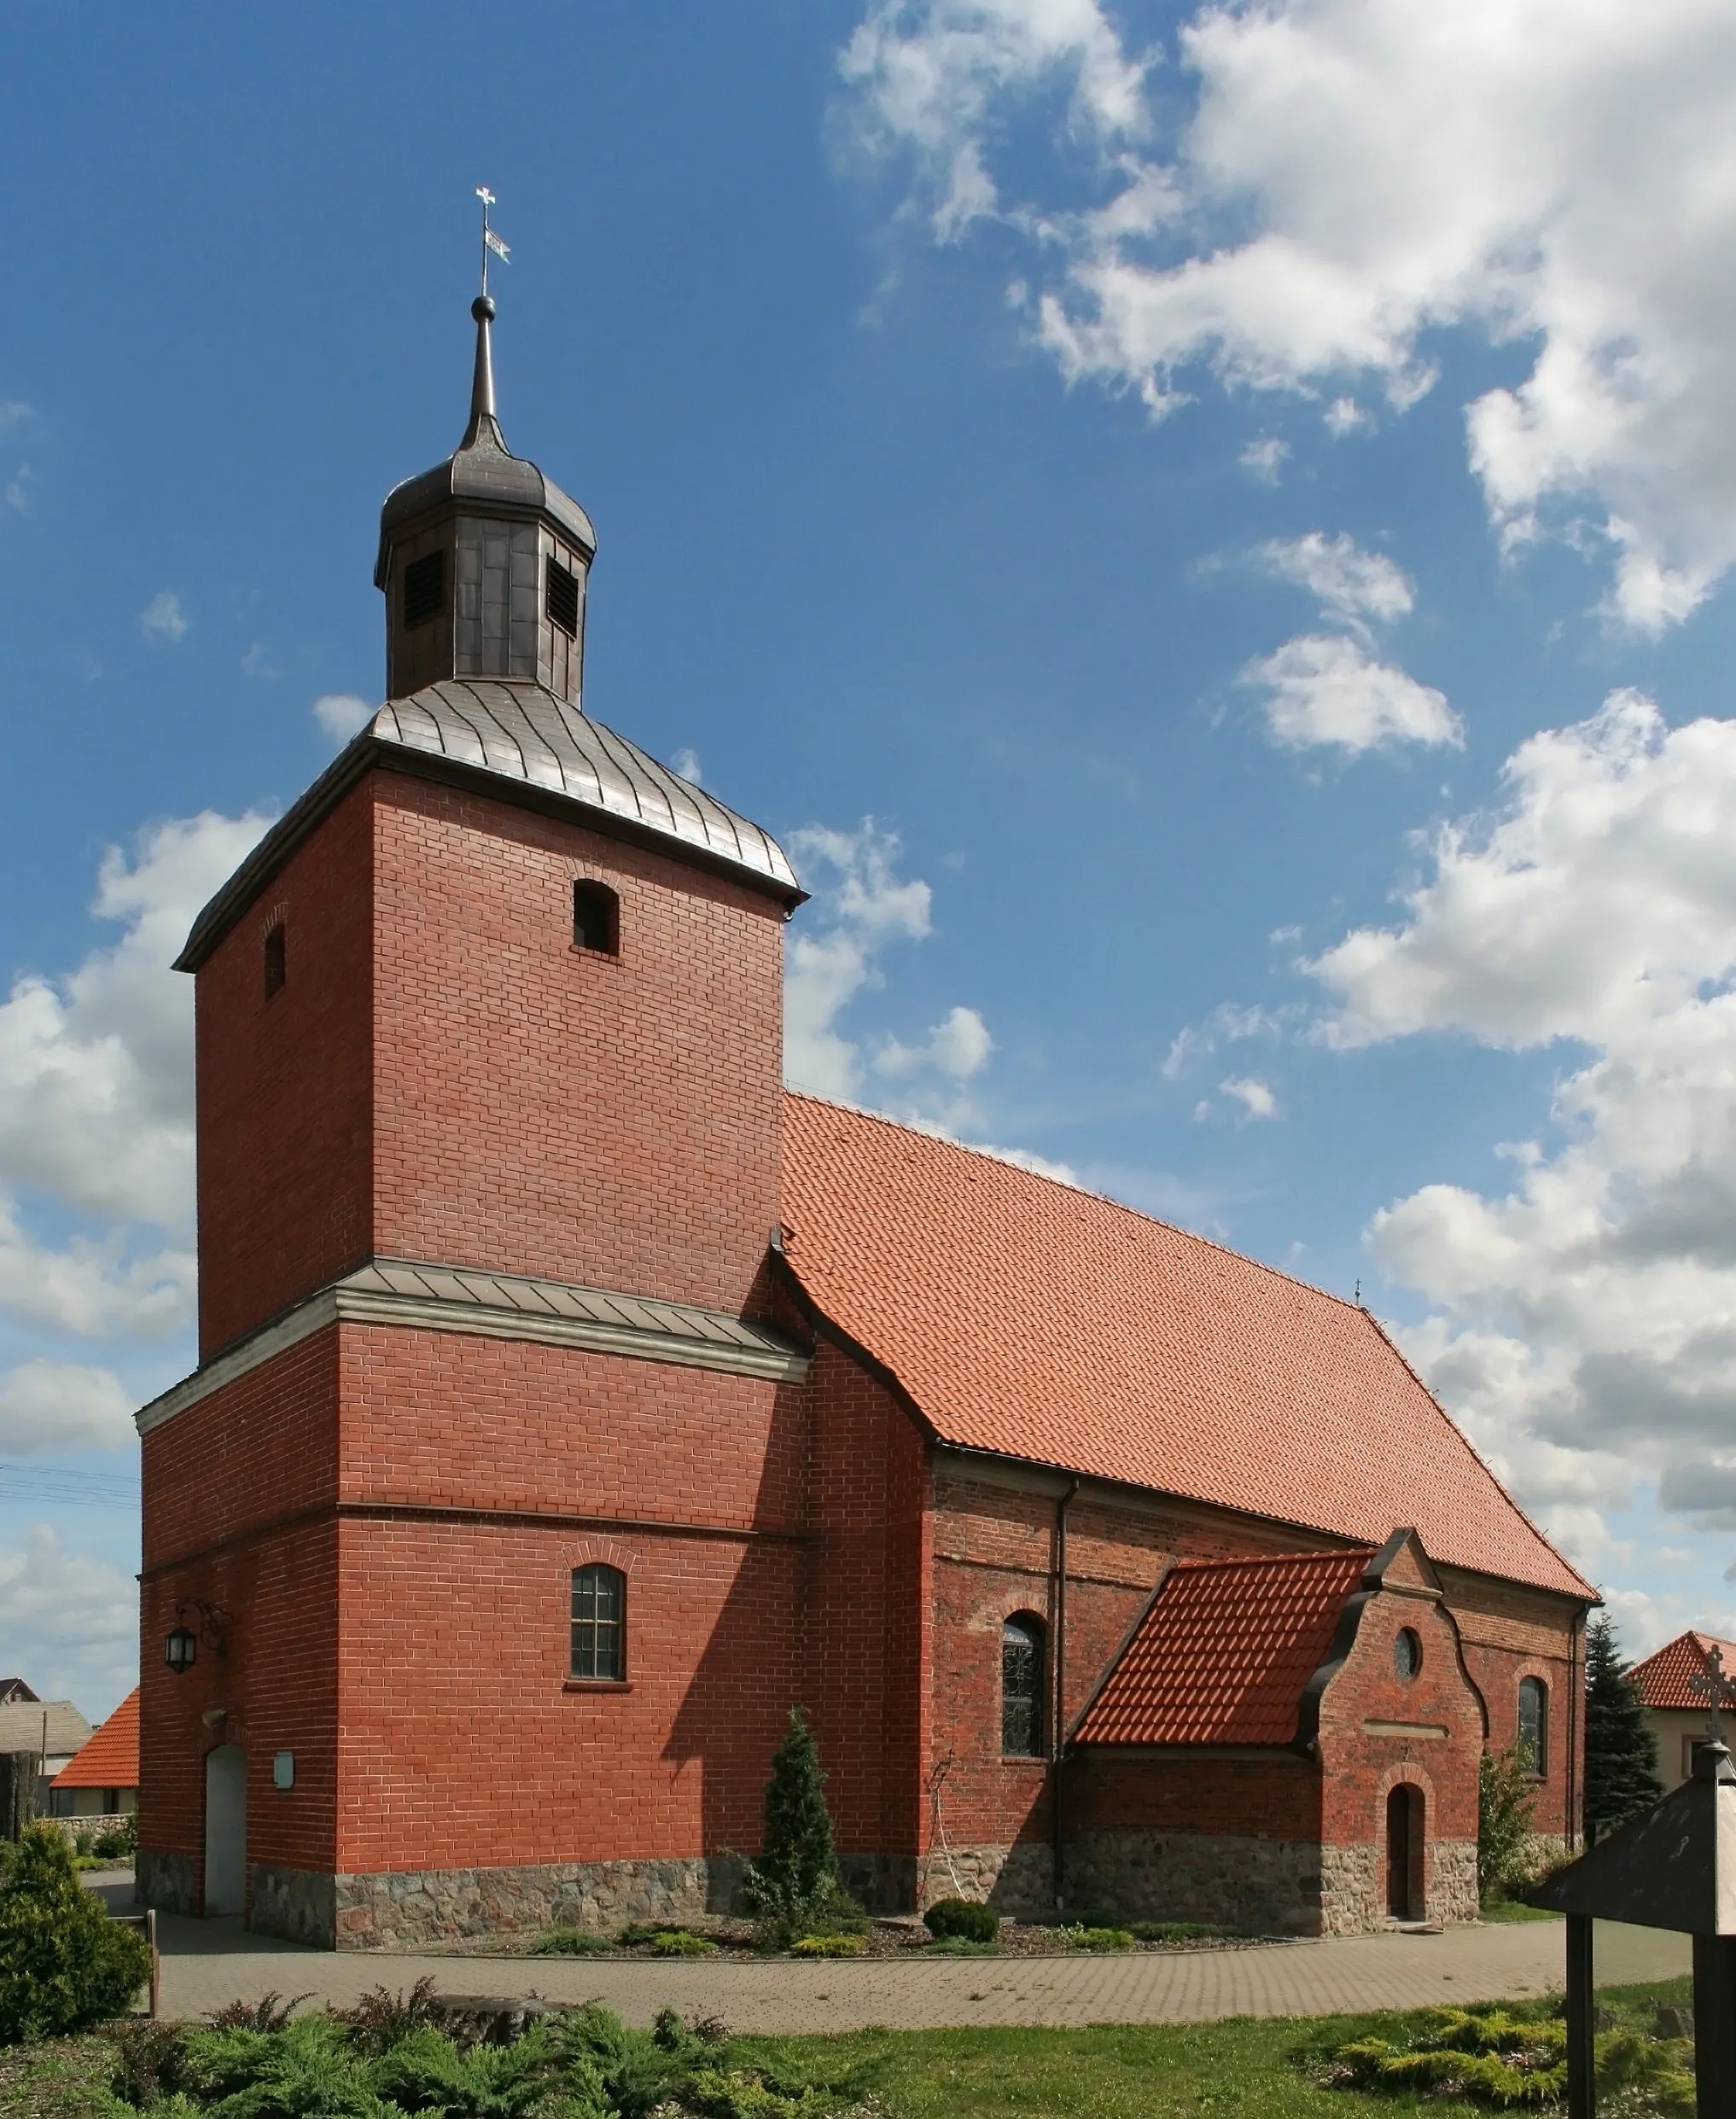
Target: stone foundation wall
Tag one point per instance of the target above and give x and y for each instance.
(165, 1881)
(1353, 1881)
(1018, 1881)
(1255, 1886)
(298, 1903)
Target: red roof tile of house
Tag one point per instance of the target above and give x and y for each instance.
(1663, 1678)
(1027, 1318)
(110, 1759)
(1224, 1651)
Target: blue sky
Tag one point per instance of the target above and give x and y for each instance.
(1206, 533)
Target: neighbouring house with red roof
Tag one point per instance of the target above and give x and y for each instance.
(1678, 1713)
(572, 1402)
(100, 1779)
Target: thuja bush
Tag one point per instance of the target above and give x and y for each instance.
(792, 1885)
(64, 1964)
(1505, 1809)
(965, 1917)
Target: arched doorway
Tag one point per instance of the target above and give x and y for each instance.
(1405, 1823)
(225, 1829)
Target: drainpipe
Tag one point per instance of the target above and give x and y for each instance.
(1570, 1823)
(1057, 1720)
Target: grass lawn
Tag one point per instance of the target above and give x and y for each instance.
(1508, 1909)
(1266, 2069)
(1258, 2068)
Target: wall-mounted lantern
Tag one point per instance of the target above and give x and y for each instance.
(180, 1651)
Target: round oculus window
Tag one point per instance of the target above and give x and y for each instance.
(1406, 1653)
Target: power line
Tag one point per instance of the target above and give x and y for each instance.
(87, 1489)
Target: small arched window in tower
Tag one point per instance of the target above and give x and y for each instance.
(599, 1623)
(596, 918)
(1406, 1651)
(1533, 1746)
(1021, 1672)
(561, 598)
(277, 962)
(424, 589)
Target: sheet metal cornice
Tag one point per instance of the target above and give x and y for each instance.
(416, 1295)
(518, 743)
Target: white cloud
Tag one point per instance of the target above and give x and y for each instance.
(1355, 589)
(1583, 1318)
(13, 412)
(862, 906)
(958, 1046)
(1328, 689)
(342, 714)
(257, 663)
(1264, 458)
(1554, 175)
(1255, 1097)
(75, 1621)
(163, 617)
(96, 1067)
(686, 763)
(1227, 1024)
(17, 491)
(1343, 416)
(104, 1285)
(52, 1405)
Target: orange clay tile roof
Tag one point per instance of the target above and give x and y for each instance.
(1224, 1652)
(1024, 1317)
(110, 1759)
(1663, 1678)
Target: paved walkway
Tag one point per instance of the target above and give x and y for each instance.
(206, 1963)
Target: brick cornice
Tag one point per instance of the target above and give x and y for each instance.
(415, 1296)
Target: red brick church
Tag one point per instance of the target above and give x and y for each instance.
(571, 1400)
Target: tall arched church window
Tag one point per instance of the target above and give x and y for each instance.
(1534, 1726)
(1022, 1668)
(599, 1623)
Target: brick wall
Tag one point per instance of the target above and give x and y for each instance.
(238, 1498)
(1510, 1633)
(284, 1087)
(543, 1108)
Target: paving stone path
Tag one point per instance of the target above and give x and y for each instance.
(206, 1963)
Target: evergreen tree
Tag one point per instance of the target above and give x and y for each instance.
(793, 1883)
(1621, 1753)
(1505, 1810)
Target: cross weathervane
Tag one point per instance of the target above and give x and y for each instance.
(490, 239)
(1715, 1690)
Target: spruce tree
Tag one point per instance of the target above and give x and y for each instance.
(793, 1882)
(1621, 1753)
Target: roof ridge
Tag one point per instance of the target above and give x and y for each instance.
(1005, 1162)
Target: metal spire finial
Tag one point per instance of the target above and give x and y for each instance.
(482, 308)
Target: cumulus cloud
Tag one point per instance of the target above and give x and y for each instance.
(75, 1620)
(96, 1099)
(1353, 588)
(164, 618)
(51, 1405)
(862, 907)
(342, 714)
(1254, 1097)
(1264, 458)
(1349, 175)
(1583, 1318)
(96, 1067)
(1327, 689)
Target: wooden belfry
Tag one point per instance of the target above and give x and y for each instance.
(1673, 1867)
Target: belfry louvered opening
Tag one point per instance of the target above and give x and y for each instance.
(560, 598)
(424, 588)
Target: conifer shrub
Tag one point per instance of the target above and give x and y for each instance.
(64, 1964)
(963, 1917)
(830, 1945)
(1176, 1931)
(1620, 1754)
(1505, 1806)
(793, 1885)
(569, 1943)
(1084, 1938)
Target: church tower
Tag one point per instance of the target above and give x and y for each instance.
(490, 1412)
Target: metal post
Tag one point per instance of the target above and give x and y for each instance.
(1714, 2026)
(1581, 2053)
(150, 1920)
